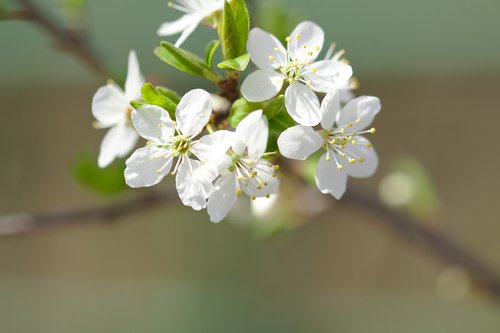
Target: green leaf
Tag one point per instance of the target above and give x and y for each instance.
(242, 19)
(105, 181)
(238, 64)
(151, 95)
(169, 93)
(210, 52)
(136, 104)
(228, 33)
(240, 109)
(185, 61)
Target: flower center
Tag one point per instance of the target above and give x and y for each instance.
(181, 145)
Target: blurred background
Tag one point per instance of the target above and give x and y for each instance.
(436, 67)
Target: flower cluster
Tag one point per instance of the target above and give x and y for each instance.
(189, 137)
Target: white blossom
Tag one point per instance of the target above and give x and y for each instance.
(347, 89)
(245, 170)
(295, 65)
(195, 12)
(170, 140)
(348, 153)
(111, 107)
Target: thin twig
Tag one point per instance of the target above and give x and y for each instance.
(25, 222)
(68, 40)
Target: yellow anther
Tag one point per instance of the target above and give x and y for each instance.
(352, 161)
(268, 195)
(309, 53)
(353, 142)
(253, 197)
(361, 160)
(349, 126)
(328, 158)
(288, 39)
(358, 120)
(342, 130)
(259, 187)
(308, 83)
(276, 49)
(372, 130)
(314, 69)
(239, 192)
(339, 166)
(333, 141)
(170, 4)
(369, 145)
(276, 167)
(271, 58)
(265, 183)
(343, 154)
(317, 48)
(297, 36)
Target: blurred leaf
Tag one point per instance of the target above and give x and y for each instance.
(238, 64)
(105, 181)
(409, 185)
(153, 96)
(276, 18)
(185, 61)
(210, 52)
(233, 29)
(136, 104)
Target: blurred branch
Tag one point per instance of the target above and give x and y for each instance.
(68, 40)
(428, 239)
(26, 222)
(401, 223)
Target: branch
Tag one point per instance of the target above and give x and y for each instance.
(25, 222)
(68, 40)
(429, 240)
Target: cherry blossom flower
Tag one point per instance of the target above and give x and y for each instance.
(296, 66)
(196, 11)
(348, 153)
(111, 108)
(169, 140)
(245, 170)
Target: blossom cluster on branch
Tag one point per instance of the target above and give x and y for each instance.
(296, 105)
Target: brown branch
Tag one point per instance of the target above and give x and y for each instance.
(68, 40)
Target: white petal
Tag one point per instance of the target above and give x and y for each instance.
(147, 166)
(109, 105)
(178, 26)
(153, 123)
(118, 142)
(194, 183)
(223, 199)
(306, 42)
(303, 104)
(299, 142)
(365, 108)
(135, 80)
(265, 175)
(212, 147)
(365, 151)
(262, 85)
(328, 75)
(253, 131)
(262, 47)
(193, 112)
(330, 107)
(329, 179)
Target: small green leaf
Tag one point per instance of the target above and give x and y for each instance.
(185, 61)
(136, 104)
(238, 64)
(169, 93)
(240, 109)
(242, 19)
(152, 96)
(105, 181)
(210, 52)
(228, 33)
